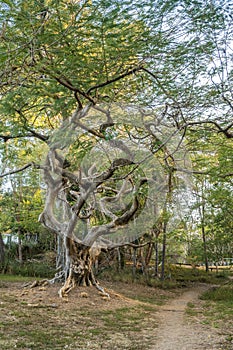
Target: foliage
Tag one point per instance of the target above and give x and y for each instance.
(31, 269)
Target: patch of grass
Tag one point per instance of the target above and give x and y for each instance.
(191, 312)
(218, 311)
(122, 318)
(96, 331)
(170, 284)
(223, 293)
(15, 278)
(152, 299)
(184, 275)
(71, 326)
(192, 309)
(190, 305)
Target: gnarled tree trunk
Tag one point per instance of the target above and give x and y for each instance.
(80, 259)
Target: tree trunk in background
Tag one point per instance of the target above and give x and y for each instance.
(165, 222)
(156, 257)
(121, 258)
(134, 268)
(148, 254)
(20, 253)
(164, 251)
(205, 247)
(202, 216)
(2, 250)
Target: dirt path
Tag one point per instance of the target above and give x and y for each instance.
(177, 332)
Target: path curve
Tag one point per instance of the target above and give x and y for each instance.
(176, 332)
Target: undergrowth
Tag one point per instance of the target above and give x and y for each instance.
(175, 277)
(222, 293)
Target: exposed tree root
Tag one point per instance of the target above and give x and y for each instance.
(67, 287)
(36, 283)
(101, 289)
(58, 278)
(75, 280)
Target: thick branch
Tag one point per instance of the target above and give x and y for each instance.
(32, 134)
(78, 100)
(225, 131)
(17, 170)
(131, 71)
(70, 86)
(37, 135)
(128, 215)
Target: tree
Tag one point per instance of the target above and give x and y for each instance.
(2, 250)
(72, 67)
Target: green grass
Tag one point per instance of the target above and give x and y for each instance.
(126, 318)
(15, 278)
(191, 309)
(215, 310)
(150, 299)
(221, 294)
(218, 305)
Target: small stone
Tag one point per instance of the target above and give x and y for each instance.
(54, 306)
(83, 295)
(25, 292)
(33, 305)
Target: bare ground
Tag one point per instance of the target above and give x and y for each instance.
(133, 319)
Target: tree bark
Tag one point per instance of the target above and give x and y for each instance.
(164, 251)
(79, 260)
(156, 249)
(2, 250)
(134, 267)
(203, 231)
(205, 247)
(20, 253)
(121, 258)
(148, 254)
